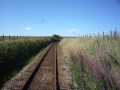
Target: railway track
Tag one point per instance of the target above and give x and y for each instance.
(44, 76)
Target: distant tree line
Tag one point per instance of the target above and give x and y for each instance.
(11, 38)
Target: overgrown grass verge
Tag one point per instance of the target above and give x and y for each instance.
(94, 62)
(16, 54)
(89, 74)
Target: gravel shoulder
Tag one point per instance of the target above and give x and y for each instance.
(64, 76)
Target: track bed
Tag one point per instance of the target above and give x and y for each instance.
(45, 76)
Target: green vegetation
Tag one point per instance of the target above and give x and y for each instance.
(16, 54)
(12, 38)
(94, 61)
(56, 38)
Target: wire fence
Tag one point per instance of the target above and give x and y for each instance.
(11, 38)
(111, 34)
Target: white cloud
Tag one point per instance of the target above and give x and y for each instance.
(28, 28)
(73, 31)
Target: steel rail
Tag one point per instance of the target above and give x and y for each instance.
(28, 82)
(55, 69)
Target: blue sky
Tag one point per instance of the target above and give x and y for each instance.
(63, 17)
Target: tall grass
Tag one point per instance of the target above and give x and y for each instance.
(15, 54)
(95, 61)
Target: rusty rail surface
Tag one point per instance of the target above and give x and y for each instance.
(55, 77)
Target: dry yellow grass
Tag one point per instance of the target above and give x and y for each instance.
(107, 50)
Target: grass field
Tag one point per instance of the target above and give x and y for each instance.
(94, 62)
(16, 54)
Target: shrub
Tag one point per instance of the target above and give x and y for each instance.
(56, 38)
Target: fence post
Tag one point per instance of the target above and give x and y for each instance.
(20, 37)
(115, 35)
(93, 35)
(3, 37)
(9, 37)
(17, 37)
(103, 35)
(98, 34)
(13, 37)
(110, 34)
(90, 35)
